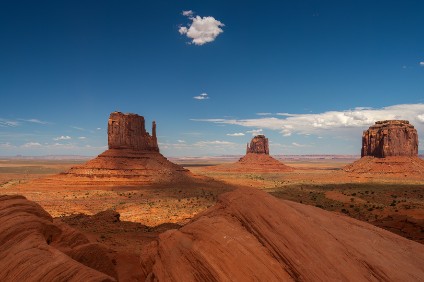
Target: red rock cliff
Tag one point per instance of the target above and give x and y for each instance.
(390, 138)
(127, 131)
(258, 145)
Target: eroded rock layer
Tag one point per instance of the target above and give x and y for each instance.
(258, 145)
(390, 138)
(33, 248)
(132, 158)
(257, 159)
(251, 236)
(127, 131)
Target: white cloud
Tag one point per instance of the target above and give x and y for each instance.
(422, 64)
(188, 13)
(235, 134)
(217, 142)
(203, 96)
(8, 123)
(333, 121)
(31, 145)
(34, 120)
(98, 128)
(300, 145)
(181, 141)
(82, 137)
(62, 138)
(255, 131)
(263, 114)
(201, 30)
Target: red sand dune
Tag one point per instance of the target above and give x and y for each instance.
(32, 248)
(252, 236)
(253, 162)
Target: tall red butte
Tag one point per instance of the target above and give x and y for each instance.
(133, 158)
(389, 146)
(257, 159)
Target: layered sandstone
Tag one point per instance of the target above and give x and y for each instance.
(251, 236)
(258, 145)
(132, 158)
(390, 138)
(257, 159)
(33, 248)
(389, 147)
(127, 131)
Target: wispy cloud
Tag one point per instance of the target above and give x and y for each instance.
(300, 145)
(62, 138)
(188, 13)
(216, 142)
(8, 123)
(255, 131)
(235, 134)
(263, 114)
(422, 64)
(203, 96)
(31, 145)
(360, 118)
(82, 137)
(78, 128)
(181, 141)
(34, 120)
(201, 30)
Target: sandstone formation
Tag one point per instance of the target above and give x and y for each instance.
(33, 248)
(127, 131)
(389, 147)
(132, 158)
(258, 145)
(251, 236)
(257, 159)
(390, 138)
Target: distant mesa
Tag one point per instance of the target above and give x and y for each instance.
(389, 146)
(133, 158)
(257, 159)
(390, 138)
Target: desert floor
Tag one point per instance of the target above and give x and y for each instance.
(393, 203)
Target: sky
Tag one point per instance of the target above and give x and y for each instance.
(311, 75)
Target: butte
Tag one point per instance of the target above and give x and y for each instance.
(133, 158)
(257, 159)
(389, 147)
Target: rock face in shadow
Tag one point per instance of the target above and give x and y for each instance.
(258, 145)
(390, 138)
(33, 248)
(251, 236)
(127, 131)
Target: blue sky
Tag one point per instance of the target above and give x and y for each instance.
(310, 75)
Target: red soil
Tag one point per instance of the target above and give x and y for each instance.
(252, 236)
(395, 165)
(253, 162)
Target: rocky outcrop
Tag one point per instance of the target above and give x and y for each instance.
(258, 145)
(251, 236)
(257, 159)
(389, 147)
(127, 131)
(132, 158)
(390, 138)
(33, 248)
